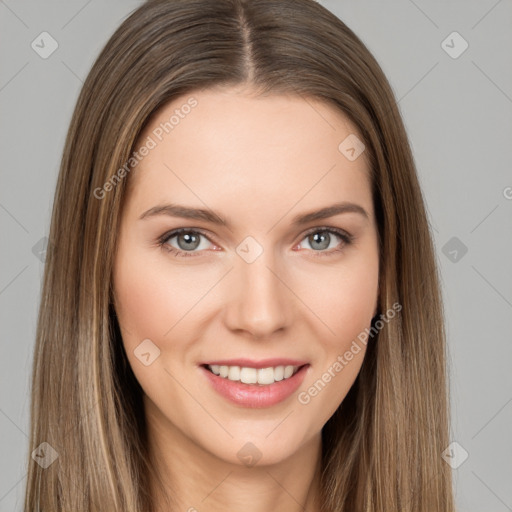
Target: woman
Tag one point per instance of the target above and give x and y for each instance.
(241, 307)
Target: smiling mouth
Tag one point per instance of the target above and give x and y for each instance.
(255, 376)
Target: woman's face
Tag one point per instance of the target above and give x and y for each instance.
(271, 284)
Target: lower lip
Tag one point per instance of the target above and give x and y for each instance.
(254, 395)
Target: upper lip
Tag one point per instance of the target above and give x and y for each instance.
(262, 363)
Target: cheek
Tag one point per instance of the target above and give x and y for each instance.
(152, 303)
(336, 369)
(352, 307)
(141, 302)
(343, 298)
(151, 300)
(156, 303)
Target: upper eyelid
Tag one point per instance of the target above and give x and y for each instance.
(171, 234)
(175, 232)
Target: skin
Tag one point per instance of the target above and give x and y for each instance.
(257, 162)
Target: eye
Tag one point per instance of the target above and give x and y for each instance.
(320, 239)
(187, 240)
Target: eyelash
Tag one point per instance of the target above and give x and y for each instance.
(162, 241)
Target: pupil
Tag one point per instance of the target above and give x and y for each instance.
(322, 238)
(189, 239)
(324, 243)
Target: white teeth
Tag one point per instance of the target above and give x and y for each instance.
(279, 373)
(288, 371)
(263, 376)
(234, 373)
(266, 376)
(248, 375)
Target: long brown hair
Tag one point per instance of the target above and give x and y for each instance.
(381, 450)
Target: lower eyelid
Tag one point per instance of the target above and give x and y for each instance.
(164, 241)
(344, 237)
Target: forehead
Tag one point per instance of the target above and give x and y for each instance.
(229, 147)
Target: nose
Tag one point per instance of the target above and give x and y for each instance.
(259, 301)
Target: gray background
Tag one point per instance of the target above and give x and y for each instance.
(458, 115)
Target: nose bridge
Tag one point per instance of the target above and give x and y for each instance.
(260, 303)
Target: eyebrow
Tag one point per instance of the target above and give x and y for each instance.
(175, 210)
